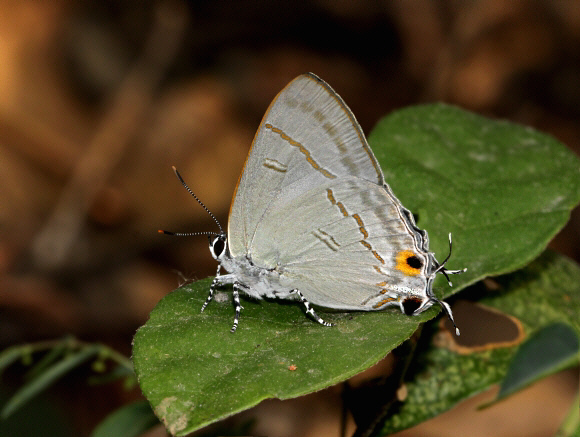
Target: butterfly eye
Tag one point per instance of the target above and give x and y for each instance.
(410, 305)
(217, 246)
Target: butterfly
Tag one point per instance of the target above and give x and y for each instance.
(312, 218)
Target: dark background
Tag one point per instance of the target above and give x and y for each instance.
(99, 99)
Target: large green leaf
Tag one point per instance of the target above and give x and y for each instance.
(194, 371)
(503, 190)
(545, 292)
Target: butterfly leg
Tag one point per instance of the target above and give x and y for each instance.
(216, 282)
(237, 305)
(309, 309)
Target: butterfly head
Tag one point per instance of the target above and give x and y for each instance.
(218, 245)
(415, 304)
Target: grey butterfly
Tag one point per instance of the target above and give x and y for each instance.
(312, 218)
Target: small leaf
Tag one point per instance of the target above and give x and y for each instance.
(547, 351)
(118, 372)
(26, 354)
(128, 421)
(9, 356)
(48, 359)
(45, 379)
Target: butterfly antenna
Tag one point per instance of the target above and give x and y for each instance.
(441, 269)
(186, 234)
(449, 313)
(198, 201)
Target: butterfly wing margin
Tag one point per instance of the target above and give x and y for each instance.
(307, 132)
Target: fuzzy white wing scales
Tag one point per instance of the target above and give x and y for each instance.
(338, 243)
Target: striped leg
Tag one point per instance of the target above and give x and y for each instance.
(212, 287)
(237, 305)
(309, 309)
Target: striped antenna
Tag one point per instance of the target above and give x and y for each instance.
(198, 201)
(186, 234)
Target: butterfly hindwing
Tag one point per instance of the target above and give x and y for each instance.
(343, 251)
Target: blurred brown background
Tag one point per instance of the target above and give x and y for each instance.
(99, 99)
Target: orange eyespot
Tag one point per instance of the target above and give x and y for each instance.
(408, 263)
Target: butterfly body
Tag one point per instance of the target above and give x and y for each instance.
(258, 281)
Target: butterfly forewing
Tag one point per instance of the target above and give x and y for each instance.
(307, 138)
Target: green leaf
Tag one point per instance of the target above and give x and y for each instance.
(48, 359)
(502, 189)
(547, 351)
(45, 379)
(195, 372)
(10, 356)
(128, 421)
(118, 372)
(545, 292)
(570, 427)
